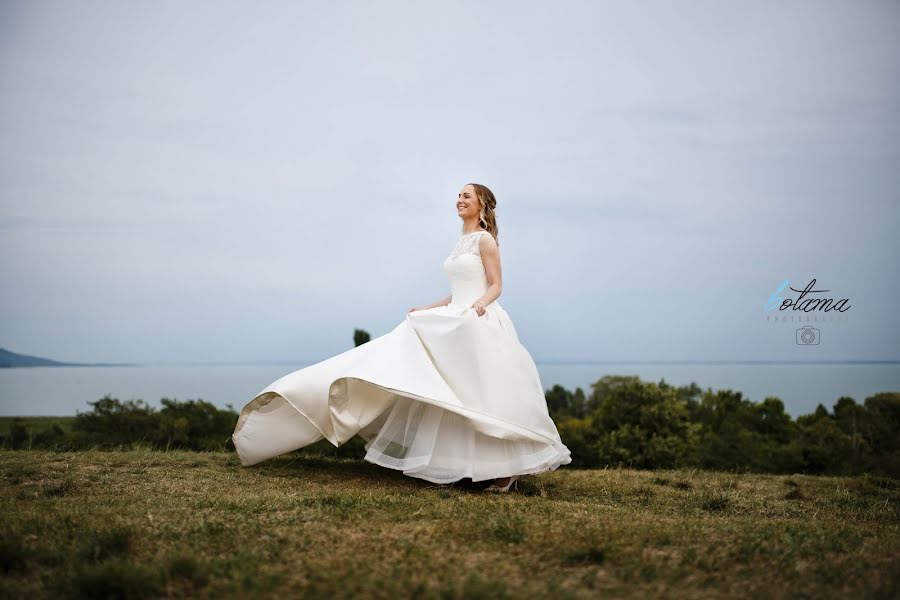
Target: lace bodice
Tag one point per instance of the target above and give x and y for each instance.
(468, 244)
(464, 268)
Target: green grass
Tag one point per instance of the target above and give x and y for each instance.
(185, 524)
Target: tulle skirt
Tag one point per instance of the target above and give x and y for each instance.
(445, 395)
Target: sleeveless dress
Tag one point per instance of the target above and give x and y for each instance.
(447, 394)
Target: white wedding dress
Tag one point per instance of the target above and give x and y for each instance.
(447, 394)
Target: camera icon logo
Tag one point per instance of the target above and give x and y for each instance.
(807, 335)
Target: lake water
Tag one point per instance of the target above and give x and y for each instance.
(56, 391)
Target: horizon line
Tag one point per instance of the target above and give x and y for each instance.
(546, 361)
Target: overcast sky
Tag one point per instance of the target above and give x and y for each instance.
(216, 181)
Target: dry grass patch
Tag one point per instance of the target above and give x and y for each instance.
(184, 524)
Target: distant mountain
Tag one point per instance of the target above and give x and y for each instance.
(10, 360)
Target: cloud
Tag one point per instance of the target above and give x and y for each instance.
(288, 158)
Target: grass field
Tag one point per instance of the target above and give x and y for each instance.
(182, 524)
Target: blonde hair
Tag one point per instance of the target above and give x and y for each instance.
(487, 220)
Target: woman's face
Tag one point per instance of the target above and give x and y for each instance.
(467, 203)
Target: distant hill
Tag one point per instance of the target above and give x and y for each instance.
(11, 360)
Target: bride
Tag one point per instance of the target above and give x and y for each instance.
(449, 393)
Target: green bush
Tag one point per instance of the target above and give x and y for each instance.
(112, 423)
(629, 422)
(623, 422)
(642, 425)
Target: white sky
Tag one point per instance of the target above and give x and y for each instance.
(214, 181)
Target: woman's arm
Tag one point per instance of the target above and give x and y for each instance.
(443, 302)
(490, 256)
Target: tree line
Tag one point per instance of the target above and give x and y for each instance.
(628, 422)
(624, 421)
